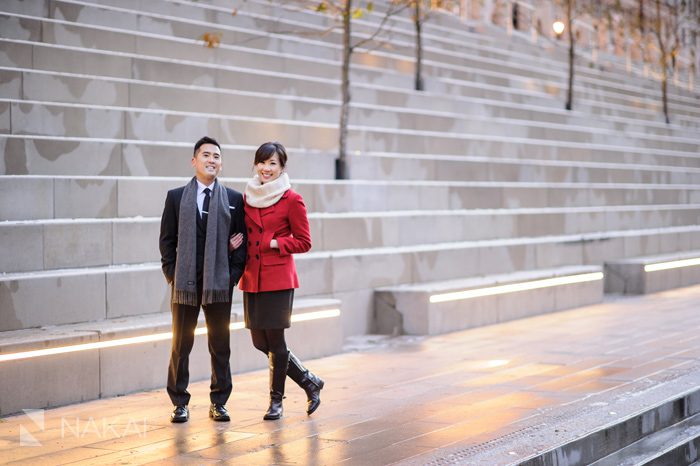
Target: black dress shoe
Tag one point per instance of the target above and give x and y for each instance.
(218, 413)
(180, 414)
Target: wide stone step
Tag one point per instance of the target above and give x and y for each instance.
(614, 443)
(367, 139)
(651, 274)
(57, 120)
(439, 307)
(32, 85)
(59, 58)
(62, 197)
(118, 356)
(70, 156)
(86, 294)
(466, 168)
(675, 445)
(187, 28)
(58, 244)
(109, 122)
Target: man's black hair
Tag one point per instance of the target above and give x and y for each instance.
(202, 141)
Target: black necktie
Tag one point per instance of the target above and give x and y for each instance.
(205, 207)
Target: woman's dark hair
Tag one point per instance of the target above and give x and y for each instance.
(205, 140)
(267, 150)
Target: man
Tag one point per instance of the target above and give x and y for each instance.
(203, 254)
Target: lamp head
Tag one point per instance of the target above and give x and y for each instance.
(558, 27)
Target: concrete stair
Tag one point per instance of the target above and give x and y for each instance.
(677, 444)
(663, 434)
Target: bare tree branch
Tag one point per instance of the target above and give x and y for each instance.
(392, 12)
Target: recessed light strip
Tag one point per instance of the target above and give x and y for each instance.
(672, 264)
(315, 315)
(514, 287)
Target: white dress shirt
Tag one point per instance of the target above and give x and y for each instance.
(200, 195)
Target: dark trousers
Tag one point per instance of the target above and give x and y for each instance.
(218, 318)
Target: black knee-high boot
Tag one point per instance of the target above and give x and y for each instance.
(311, 384)
(278, 374)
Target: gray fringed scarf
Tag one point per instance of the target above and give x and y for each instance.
(216, 273)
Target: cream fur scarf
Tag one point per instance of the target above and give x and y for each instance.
(264, 195)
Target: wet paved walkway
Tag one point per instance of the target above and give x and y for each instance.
(489, 395)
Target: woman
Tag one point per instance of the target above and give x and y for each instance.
(275, 217)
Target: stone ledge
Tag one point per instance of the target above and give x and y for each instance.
(54, 336)
(638, 275)
(439, 307)
(116, 370)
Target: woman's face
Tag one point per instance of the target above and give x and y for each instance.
(269, 170)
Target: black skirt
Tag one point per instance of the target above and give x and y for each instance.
(268, 310)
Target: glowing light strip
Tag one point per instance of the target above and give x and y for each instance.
(672, 264)
(513, 287)
(324, 314)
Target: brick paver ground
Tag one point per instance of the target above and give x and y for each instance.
(467, 397)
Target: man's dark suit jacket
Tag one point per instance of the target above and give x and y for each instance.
(168, 235)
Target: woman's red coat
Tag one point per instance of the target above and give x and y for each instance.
(268, 269)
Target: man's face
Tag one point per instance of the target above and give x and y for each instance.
(207, 163)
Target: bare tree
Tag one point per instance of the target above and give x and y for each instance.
(570, 8)
(422, 12)
(419, 17)
(662, 31)
(693, 36)
(598, 14)
(666, 26)
(671, 26)
(343, 12)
